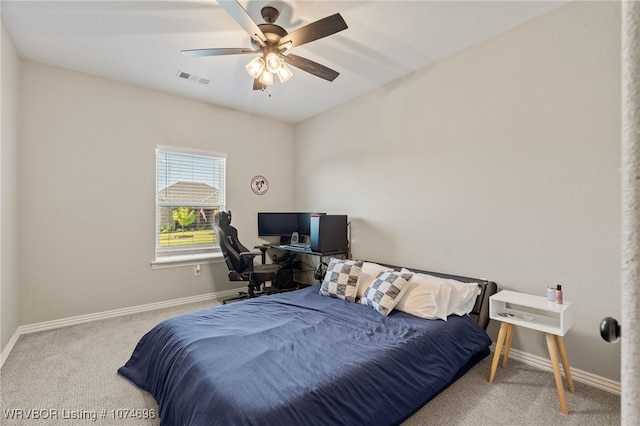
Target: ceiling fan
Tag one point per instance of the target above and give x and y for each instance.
(273, 43)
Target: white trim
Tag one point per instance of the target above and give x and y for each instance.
(581, 376)
(186, 260)
(7, 349)
(192, 151)
(65, 322)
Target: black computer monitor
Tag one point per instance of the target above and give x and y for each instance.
(283, 224)
(277, 224)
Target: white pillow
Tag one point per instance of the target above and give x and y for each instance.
(369, 273)
(425, 299)
(465, 297)
(341, 278)
(434, 297)
(385, 291)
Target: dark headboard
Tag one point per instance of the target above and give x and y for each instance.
(480, 311)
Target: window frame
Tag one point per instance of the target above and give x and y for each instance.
(182, 256)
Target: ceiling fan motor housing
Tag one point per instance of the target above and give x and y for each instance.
(272, 32)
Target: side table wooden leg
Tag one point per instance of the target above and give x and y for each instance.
(496, 354)
(565, 363)
(507, 345)
(553, 354)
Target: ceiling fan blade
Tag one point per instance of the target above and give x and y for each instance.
(310, 67)
(315, 30)
(216, 52)
(243, 18)
(257, 85)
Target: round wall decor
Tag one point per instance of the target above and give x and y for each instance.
(259, 185)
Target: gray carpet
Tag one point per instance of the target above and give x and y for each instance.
(69, 375)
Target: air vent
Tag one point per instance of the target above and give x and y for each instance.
(191, 77)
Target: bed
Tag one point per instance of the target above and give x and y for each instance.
(304, 358)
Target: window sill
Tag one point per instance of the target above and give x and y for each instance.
(186, 260)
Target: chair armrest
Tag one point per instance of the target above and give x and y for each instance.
(249, 254)
(263, 252)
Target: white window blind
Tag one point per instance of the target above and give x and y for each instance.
(190, 190)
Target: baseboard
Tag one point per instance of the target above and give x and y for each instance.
(7, 349)
(66, 322)
(578, 375)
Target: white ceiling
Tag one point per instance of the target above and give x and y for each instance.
(139, 42)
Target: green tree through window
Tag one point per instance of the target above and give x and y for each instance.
(184, 216)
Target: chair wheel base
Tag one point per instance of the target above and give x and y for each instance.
(244, 295)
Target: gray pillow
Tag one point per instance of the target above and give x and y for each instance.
(384, 293)
(341, 279)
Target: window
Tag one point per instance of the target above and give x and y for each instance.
(190, 190)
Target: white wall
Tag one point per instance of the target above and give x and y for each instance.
(87, 189)
(499, 162)
(9, 285)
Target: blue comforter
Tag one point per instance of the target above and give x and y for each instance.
(300, 359)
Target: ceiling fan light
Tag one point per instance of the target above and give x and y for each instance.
(255, 67)
(284, 73)
(273, 62)
(266, 78)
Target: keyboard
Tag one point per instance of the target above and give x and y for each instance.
(295, 247)
(300, 245)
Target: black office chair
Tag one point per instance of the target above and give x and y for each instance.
(240, 260)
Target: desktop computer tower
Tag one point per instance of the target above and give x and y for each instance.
(328, 233)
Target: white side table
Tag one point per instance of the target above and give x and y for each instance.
(537, 313)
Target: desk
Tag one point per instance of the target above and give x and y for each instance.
(301, 250)
(512, 308)
(306, 250)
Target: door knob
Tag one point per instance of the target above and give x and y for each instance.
(610, 329)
